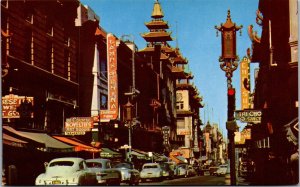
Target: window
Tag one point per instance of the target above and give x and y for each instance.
(180, 123)
(103, 102)
(49, 57)
(49, 27)
(28, 52)
(67, 64)
(4, 4)
(29, 14)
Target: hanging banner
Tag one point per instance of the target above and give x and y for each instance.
(112, 112)
(245, 83)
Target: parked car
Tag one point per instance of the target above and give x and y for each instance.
(213, 169)
(221, 171)
(191, 171)
(181, 170)
(168, 170)
(151, 171)
(104, 172)
(66, 171)
(129, 174)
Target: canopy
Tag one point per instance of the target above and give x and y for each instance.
(78, 146)
(108, 153)
(9, 140)
(138, 154)
(50, 143)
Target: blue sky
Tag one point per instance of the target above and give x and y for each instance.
(192, 24)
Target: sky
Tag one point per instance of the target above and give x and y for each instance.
(192, 23)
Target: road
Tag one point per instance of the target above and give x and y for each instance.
(197, 180)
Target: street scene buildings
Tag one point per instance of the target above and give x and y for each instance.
(72, 89)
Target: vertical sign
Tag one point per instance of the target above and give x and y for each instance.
(112, 112)
(245, 83)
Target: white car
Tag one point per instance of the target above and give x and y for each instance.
(104, 172)
(66, 171)
(128, 173)
(222, 170)
(151, 171)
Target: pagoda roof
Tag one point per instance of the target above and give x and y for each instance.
(157, 11)
(180, 60)
(169, 50)
(228, 24)
(157, 24)
(178, 72)
(157, 36)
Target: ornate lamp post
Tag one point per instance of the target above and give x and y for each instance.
(229, 63)
(127, 117)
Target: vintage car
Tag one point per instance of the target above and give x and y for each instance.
(168, 169)
(104, 172)
(181, 170)
(151, 171)
(185, 170)
(221, 170)
(129, 174)
(66, 171)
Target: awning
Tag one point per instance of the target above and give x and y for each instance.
(50, 143)
(138, 155)
(292, 131)
(9, 140)
(108, 153)
(78, 146)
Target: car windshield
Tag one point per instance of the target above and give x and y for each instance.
(94, 165)
(150, 166)
(123, 165)
(61, 163)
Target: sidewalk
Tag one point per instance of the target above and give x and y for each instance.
(242, 182)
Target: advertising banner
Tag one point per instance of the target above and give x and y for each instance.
(14, 106)
(112, 112)
(248, 116)
(78, 125)
(245, 83)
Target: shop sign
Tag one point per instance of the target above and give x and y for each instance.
(248, 116)
(112, 112)
(78, 125)
(183, 132)
(245, 83)
(14, 106)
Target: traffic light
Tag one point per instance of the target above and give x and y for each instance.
(231, 103)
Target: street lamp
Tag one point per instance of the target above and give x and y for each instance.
(127, 117)
(128, 112)
(228, 63)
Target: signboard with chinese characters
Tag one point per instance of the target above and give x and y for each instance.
(14, 106)
(245, 83)
(78, 125)
(248, 116)
(112, 112)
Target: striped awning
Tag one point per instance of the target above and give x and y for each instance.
(9, 140)
(78, 146)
